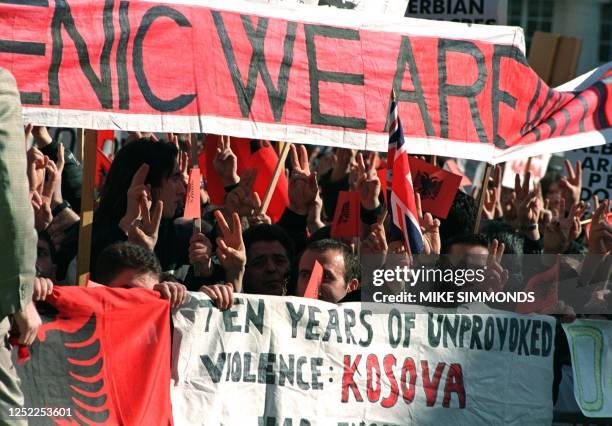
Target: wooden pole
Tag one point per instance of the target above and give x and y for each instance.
(277, 171)
(527, 168)
(481, 196)
(87, 140)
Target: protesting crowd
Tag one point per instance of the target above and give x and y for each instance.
(274, 257)
(140, 239)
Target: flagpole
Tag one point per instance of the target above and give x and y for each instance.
(87, 140)
(481, 196)
(277, 171)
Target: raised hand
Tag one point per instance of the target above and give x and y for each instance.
(41, 136)
(36, 169)
(496, 276)
(489, 209)
(230, 249)
(560, 232)
(430, 228)
(144, 232)
(226, 162)
(258, 217)
(200, 252)
(345, 158)
(303, 186)
(137, 191)
(528, 205)
(367, 183)
(222, 295)
(42, 212)
(600, 234)
(242, 199)
(572, 184)
(570, 221)
(374, 246)
(41, 203)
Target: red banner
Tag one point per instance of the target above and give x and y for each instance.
(104, 355)
(326, 78)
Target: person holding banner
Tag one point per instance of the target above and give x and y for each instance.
(18, 249)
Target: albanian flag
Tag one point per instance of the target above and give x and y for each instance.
(102, 353)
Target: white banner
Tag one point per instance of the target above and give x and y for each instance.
(590, 342)
(293, 361)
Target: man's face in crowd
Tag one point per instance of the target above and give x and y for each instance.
(468, 255)
(171, 192)
(267, 268)
(132, 278)
(333, 286)
(44, 264)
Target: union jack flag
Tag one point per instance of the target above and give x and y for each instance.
(402, 204)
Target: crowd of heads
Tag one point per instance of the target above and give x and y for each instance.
(140, 238)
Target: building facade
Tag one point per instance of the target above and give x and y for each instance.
(591, 20)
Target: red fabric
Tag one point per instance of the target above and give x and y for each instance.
(347, 216)
(264, 159)
(117, 338)
(314, 282)
(453, 167)
(382, 177)
(436, 186)
(250, 154)
(102, 136)
(192, 200)
(103, 165)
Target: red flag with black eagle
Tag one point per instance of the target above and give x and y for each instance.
(103, 356)
(436, 186)
(250, 154)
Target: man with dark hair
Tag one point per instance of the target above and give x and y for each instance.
(340, 269)
(269, 258)
(475, 252)
(129, 265)
(461, 217)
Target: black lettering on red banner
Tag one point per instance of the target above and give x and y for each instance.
(62, 16)
(316, 75)
(277, 95)
(179, 102)
(468, 92)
